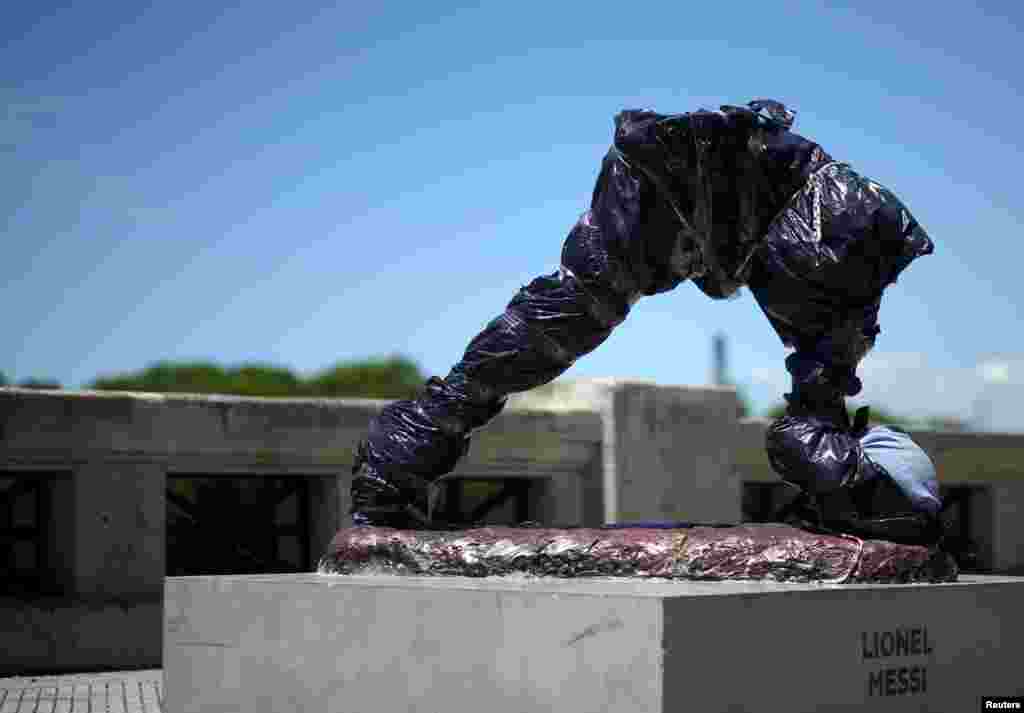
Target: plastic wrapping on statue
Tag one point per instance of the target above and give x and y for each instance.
(816, 242)
(688, 195)
(747, 552)
(674, 153)
(544, 329)
(868, 481)
(551, 322)
(826, 260)
(816, 378)
(816, 455)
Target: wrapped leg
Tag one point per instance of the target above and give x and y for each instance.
(545, 328)
(549, 324)
(871, 482)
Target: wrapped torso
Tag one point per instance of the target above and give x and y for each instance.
(815, 242)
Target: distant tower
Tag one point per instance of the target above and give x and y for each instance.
(719, 361)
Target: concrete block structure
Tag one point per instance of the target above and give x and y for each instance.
(385, 643)
(94, 484)
(87, 481)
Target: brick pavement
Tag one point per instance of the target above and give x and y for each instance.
(116, 692)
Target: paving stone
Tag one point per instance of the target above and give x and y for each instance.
(113, 692)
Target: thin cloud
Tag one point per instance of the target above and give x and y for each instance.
(1002, 369)
(903, 383)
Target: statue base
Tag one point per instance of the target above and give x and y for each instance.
(742, 552)
(358, 643)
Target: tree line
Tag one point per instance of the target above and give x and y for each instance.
(31, 383)
(392, 377)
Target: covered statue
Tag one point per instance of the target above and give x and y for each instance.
(726, 199)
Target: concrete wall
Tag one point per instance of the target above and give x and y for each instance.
(666, 451)
(75, 633)
(1006, 526)
(672, 454)
(108, 457)
(604, 450)
(354, 644)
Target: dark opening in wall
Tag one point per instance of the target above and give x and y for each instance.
(763, 500)
(490, 501)
(238, 525)
(963, 503)
(28, 556)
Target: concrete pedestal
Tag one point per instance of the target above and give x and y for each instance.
(363, 643)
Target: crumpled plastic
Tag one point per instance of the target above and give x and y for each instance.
(822, 267)
(744, 552)
(726, 198)
(608, 260)
(817, 455)
(843, 471)
(814, 241)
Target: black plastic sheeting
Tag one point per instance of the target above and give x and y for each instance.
(744, 552)
(726, 198)
(823, 266)
(842, 489)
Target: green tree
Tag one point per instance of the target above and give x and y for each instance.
(392, 377)
(386, 378)
(3, 379)
(163, 377)
(264, 380)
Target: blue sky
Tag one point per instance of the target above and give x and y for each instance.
(301, 183)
